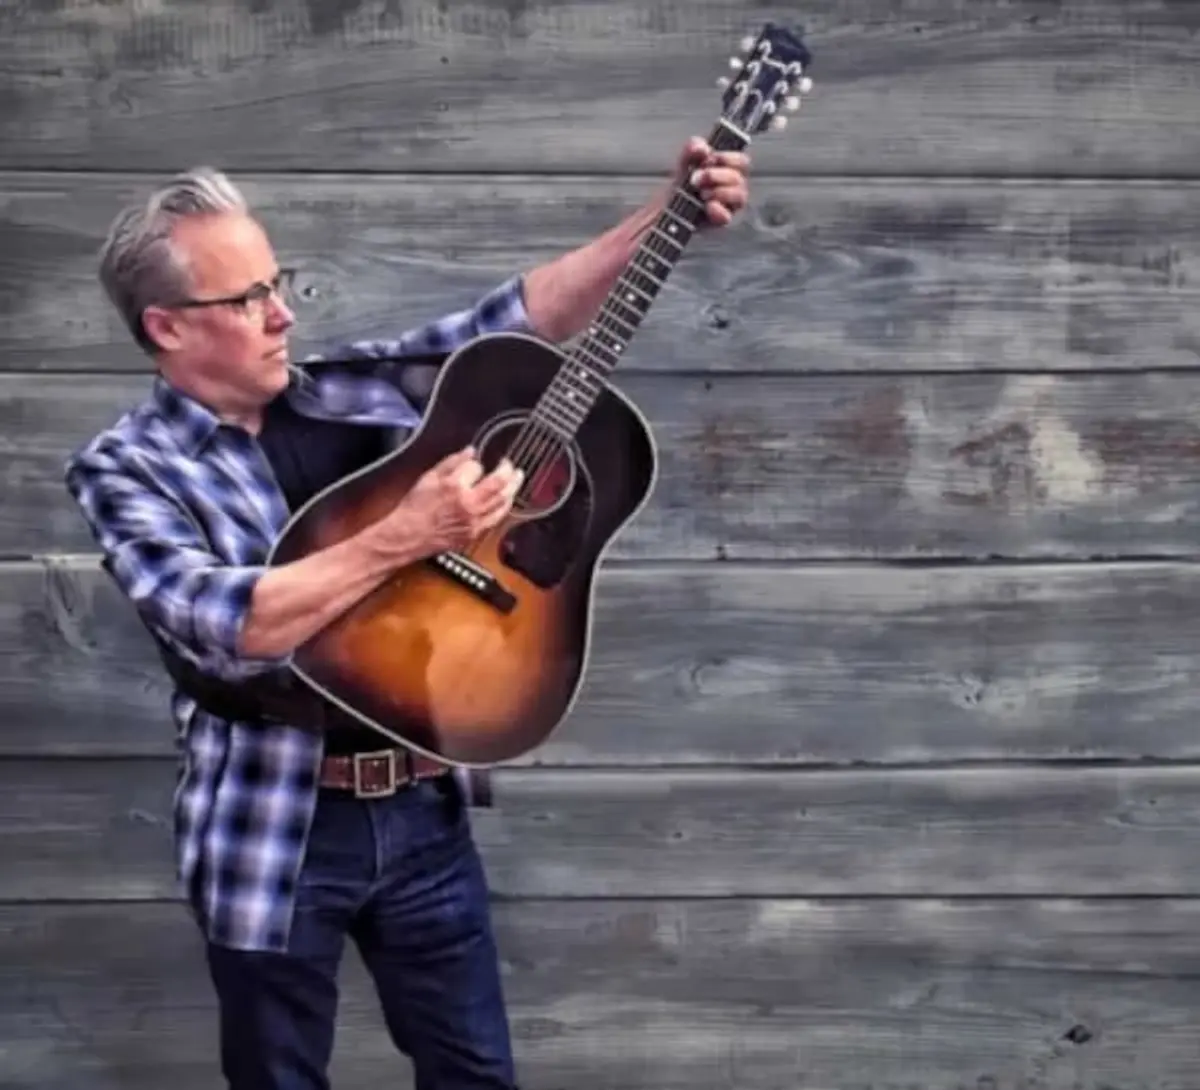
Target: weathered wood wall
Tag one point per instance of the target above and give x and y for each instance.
(898, 786)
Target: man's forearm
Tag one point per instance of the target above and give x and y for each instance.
(563, 295)
(295, 601)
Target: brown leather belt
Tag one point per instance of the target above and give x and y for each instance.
(379, 774)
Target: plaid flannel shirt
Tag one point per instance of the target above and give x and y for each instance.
(184, 510)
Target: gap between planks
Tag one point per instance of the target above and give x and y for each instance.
(833, 564)
(774, 768)
(753, 373)
(816, 900)
(883, 178)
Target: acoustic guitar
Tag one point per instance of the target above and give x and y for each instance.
(475, 657)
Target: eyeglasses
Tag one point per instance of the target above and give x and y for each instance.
(253, 298)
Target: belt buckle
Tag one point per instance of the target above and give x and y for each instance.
(390, 785)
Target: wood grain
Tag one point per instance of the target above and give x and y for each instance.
(792, 467)
(933, 86)
(749, 665)
(733, 995)
(858, 804)
(817, 276)
(100, 830)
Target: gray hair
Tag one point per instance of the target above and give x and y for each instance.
(139, 265)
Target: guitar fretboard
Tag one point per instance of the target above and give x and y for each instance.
(568, 399)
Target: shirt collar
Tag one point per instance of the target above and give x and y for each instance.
(192, 423)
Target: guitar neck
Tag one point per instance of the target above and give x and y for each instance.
(637, 287)
(774, 63)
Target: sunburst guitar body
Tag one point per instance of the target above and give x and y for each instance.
(475, 658)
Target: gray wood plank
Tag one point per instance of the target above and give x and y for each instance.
(1105, 87)
(741, 995)
(733, 664)
(90, 830)
(824, 275)
(793, 467)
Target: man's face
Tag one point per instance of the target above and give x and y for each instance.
(238, 349)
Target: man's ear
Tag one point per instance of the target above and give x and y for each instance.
(162, 327)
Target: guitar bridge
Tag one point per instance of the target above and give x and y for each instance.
(478, 581)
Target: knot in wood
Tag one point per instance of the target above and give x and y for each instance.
(717, 316)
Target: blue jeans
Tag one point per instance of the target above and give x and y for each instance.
(401, 877)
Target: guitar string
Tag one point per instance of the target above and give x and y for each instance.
(547, 447)
(540, 442)
(537, 440)
(571, 395)
(539, 447)
(682, 206)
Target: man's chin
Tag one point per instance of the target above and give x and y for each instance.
(279, 375)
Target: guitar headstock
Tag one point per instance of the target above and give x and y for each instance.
(770, 79)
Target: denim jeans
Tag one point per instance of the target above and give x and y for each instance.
(401, 876)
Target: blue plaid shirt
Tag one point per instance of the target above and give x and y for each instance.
(185, 511)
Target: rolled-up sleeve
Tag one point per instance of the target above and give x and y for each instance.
(159, 558)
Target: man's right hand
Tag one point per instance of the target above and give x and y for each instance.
(452, 504)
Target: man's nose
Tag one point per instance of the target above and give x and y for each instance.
(279, 314)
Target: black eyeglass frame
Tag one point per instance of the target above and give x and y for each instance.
(256, 293)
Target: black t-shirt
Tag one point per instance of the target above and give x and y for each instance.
(309, 455)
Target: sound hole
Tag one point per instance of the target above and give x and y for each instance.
(554, 506)
(549, 464)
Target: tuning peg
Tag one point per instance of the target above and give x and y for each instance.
(805, 85)
(778, 122)
(746, 44)
(723, 82)
(735, 63)
(791, 104)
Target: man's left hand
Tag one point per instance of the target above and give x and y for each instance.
(720, 176)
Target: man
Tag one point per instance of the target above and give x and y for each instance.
(279, 856)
